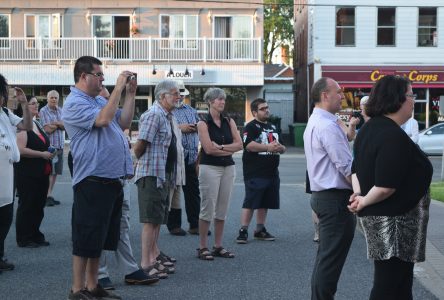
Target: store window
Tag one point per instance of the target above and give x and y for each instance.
(180, 28)
(351, 103)
(4, 31)
(45, 26)
(427, 29)
(436, 105)
(345, 26)
(386, 26)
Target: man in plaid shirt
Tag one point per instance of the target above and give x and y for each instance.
(51, 120)
(155, 173)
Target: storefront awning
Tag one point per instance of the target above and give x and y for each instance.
(366, 76)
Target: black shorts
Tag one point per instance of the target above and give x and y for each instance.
(96, 214)
(262, 193)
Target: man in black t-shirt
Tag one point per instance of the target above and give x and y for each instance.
(261, 174)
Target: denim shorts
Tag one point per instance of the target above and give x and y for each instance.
(262, 193)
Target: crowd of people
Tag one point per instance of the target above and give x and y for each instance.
(384, 180)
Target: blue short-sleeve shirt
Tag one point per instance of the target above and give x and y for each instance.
(96, 151)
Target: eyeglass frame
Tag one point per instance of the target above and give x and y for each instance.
(97, 75)
(413, 96)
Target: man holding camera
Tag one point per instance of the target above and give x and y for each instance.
(187, 119)
(102, 160)
(51, 120)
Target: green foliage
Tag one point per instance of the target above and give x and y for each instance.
(437, 191)
(278, 26)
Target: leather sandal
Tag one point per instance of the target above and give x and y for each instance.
(222, 252)
(151, 271)
(171, 259)
(164, 261)
(204, 254)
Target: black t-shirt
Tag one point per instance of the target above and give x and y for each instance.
(260, 164)
(386, 157)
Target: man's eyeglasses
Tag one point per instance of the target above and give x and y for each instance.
(98, 74)
(176, 95)
(263, 108)
(413, 96)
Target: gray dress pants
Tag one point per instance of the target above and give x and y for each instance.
(336, 232)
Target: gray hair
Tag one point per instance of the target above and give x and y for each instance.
(364, 100)
(214, 93)
(163, 87)
(53, 93)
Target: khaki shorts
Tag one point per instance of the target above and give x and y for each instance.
(153, 201)
(215, 185)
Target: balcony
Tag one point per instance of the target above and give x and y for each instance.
(133, 49)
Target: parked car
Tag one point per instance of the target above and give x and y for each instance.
(431, 140)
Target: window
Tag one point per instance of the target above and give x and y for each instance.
(427, 30)
(48, 27)
(113, 33)
(4, 31)
(386, 26)
(345, 26)
(179, 27)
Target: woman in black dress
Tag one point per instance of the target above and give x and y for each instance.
(32, 174)
(391, 179)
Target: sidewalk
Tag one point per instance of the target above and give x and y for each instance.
(431, 272)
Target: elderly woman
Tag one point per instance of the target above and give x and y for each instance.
(391, 179)
(33, 172)
(219, 139)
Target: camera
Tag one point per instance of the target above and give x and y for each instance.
(357, 114)
(51, 149)
(132, 77)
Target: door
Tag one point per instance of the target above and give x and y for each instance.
(117, 29)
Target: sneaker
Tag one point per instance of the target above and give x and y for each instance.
(178, 232)
(101, 293)
(263, 235)
(106, 283)
(81, 295)
(5, 266)
(50, 201)
(243, 236)
(141, 278)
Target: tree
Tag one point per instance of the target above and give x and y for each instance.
(278, 26)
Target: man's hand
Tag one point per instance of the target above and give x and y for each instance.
(188, 128)
(274, 147)
(131, 86)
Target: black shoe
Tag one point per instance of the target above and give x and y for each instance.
(243, 236)
(50, 201)
(263, 235)
(28, 245)
(100, 293)
(56, 202)
(106, 283)
(81, 295)
(178, 231)
(140, 278)
(5, 266)
(43, 243)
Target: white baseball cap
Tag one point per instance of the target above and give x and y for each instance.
(183, 91)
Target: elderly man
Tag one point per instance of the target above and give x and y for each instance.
(329, 163)
(155, 177)
(51, 120)
(101, 159)
(187, 119)
(9, 153)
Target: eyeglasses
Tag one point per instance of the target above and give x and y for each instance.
(413, 96)
(263, 108)
(98, 74)
(176, 95)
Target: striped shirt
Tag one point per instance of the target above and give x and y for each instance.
(48, 116)
(155, 128)
(190, 141)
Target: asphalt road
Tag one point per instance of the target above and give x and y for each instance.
(261, 270)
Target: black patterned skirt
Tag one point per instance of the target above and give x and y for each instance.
(401, 236)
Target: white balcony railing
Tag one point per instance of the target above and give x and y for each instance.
(132, 49)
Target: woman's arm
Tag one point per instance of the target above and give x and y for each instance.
(375, 195)
(209, 146)
(236, 145)
(22, 140)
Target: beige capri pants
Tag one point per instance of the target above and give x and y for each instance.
(215, 185)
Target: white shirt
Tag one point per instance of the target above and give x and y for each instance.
(411, 128)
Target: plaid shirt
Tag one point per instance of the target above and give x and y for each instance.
(155, 128)
(190, 141)
(48, 116)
